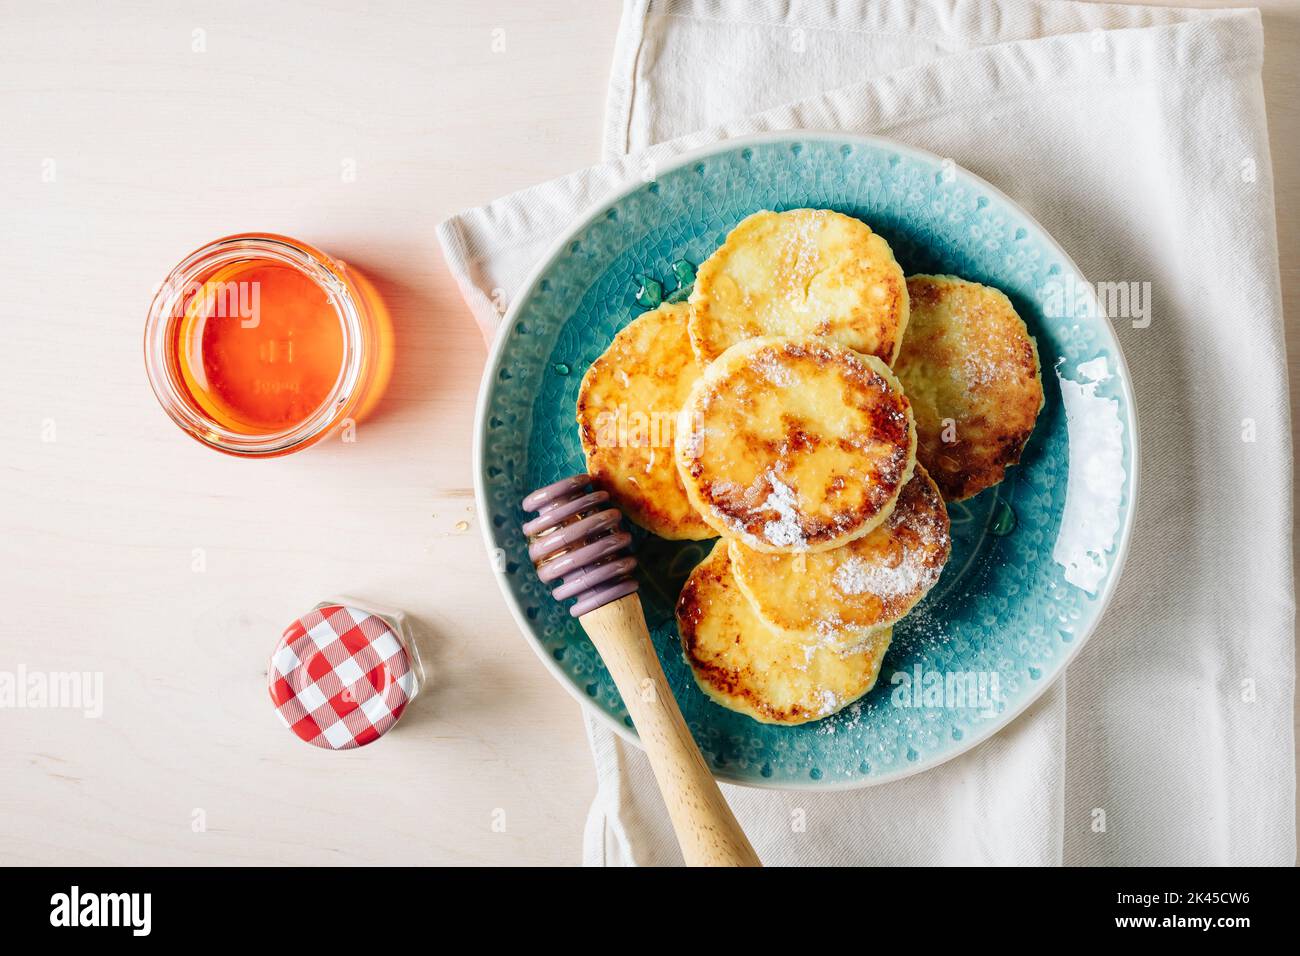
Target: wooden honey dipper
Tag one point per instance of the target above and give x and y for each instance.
(577, 539)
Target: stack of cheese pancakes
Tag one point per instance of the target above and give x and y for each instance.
(822, 408)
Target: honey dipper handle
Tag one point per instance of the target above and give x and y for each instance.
(706, 828)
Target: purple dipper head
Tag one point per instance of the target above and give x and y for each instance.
(578, 537)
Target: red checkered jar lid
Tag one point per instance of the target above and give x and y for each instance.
(341, 677)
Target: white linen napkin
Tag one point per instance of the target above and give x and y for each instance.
(1137, 137)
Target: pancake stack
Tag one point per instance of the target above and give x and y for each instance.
(812, 409)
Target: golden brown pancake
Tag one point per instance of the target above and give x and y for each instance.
(795, 445)
(970, 369)
(799, 273)
(770, 674)
(627, 413)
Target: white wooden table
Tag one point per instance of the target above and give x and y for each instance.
(132, 135)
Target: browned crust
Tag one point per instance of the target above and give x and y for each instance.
(987, 445)
(731, 682)
(964, 469)
(920, 496)
(899, 304)
(883, 406)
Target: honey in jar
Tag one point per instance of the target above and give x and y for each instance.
(258, 345)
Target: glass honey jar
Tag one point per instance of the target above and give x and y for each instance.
(258, 345)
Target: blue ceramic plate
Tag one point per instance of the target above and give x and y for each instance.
(1034, 559)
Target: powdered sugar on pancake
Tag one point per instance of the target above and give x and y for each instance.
(911, 574)
(772, 371)
(918, 533)
(787, 530)
(800, 255)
